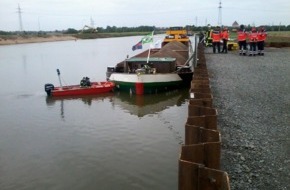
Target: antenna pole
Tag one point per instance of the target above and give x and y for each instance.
(58, 74)
(220, 14)
(20, 18)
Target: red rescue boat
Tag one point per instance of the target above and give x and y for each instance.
(77, 90)
(84, 88)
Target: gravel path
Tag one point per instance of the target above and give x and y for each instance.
(252, 96)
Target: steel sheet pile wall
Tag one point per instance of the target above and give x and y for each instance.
(199, 162)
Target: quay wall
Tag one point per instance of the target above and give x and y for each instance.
(200, 157)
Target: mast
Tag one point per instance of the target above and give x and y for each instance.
(220, 14)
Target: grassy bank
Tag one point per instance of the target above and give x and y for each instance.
(274, 39)
(108, 35)
(278, 39)
(36, 38)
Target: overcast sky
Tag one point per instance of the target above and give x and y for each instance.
(49, 15)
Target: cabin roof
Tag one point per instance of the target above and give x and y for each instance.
(151, 59)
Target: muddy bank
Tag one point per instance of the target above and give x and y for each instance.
(34, 39)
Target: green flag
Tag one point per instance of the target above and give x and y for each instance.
(148, 38)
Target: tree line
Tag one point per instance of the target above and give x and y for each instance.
(267, 27)
(115, 29)
(112, 29)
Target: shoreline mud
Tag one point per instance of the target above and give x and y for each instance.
(34, 39)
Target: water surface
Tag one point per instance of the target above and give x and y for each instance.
(108, 141)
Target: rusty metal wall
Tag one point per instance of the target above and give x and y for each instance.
(199, 161)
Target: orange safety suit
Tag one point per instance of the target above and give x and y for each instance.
(242, 40)
(261, 41)
(225, 35)
(216, 40)
(253, 36)
(261, 36)
(216, 36)
(242, 35)
(225, 38)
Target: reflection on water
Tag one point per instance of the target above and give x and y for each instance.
(87, 100)
(149, 103)
(133, 104)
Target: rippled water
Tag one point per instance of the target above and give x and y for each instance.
(109, 141)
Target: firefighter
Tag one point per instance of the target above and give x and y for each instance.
(242, 40)
(253, 38)
(216, 39)
(208, 39)
(261, 40)
(85, 82)
(225, 38)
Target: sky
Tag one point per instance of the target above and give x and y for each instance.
(50, 15)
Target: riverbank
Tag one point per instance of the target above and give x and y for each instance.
(275, 39)
(23, 39)
(34, 39)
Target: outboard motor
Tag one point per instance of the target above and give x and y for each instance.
(48, 88)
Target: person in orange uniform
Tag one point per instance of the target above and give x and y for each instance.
(216, 39)
(225, 38)
(253, 38)
(242, 40)
(261, 40)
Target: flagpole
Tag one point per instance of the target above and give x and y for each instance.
(148, 54)
(150, 48)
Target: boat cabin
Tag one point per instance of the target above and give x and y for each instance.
(154, 65)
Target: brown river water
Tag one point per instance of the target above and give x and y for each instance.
(109, 141)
